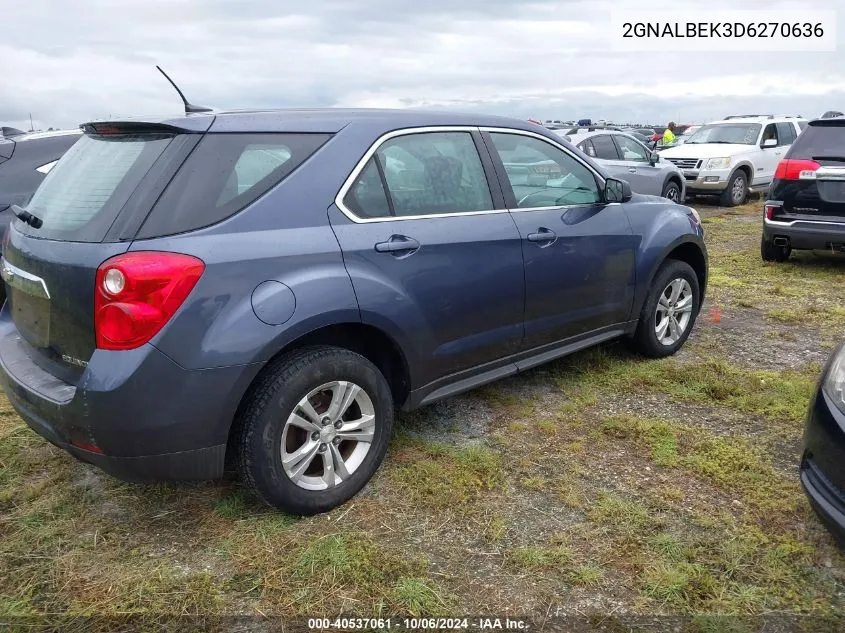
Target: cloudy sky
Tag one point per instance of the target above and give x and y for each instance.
(68, 62)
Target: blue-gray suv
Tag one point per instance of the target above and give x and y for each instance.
(263, 288)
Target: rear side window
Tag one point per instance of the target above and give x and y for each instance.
(367, 197)
(82, 195)
(224, 174)
(605, 147)
(822, 143)
(786, 133)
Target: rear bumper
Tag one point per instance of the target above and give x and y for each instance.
(823, 463)
(807, 235)
(824, 499)
(152, 419)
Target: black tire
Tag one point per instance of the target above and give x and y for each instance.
(672, 191)
(771, 253)
(645, 339)
(276, 395)
(727, 198)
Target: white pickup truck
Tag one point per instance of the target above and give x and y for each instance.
(734, 156)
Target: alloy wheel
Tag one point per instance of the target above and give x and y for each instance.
(328, 435)
(674, 311)
(738, 190)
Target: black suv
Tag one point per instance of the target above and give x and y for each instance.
(806, 202)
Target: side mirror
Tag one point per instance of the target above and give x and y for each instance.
(654, 158)
(616, 190)
(769, 142)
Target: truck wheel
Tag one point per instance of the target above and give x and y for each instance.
(314, 429)
(771, 253)
(736, 191)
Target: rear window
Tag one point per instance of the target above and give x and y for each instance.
(82, 195)
(822, 143)
(224, 174)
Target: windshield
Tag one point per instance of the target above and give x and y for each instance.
(735, 133)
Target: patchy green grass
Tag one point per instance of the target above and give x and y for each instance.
(781, 397)
(442, 476)
(537, 558)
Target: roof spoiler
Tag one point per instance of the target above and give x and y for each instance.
(175, 125)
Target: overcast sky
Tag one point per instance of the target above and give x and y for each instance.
(68, 62)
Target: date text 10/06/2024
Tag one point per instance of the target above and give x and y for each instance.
(478, 624)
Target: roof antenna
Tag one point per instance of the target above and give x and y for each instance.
(189, 108)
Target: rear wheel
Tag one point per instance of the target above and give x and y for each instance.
(669, 311)
(672, 191)
(736, 191)
(315, 429)
(769, 252)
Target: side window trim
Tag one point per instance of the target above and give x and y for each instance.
(373, 149)
(510, 198)
(390, 208)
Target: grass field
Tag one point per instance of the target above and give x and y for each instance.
(603, 483)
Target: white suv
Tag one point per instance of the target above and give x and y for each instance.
(734, 156)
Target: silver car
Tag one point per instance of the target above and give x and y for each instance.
(628, 159)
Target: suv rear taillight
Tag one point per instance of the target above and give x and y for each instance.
(137, 294)
(792, 169)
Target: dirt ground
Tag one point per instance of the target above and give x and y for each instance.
(602, 484)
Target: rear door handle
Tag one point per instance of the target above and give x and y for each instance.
(633, 170)
(398, 245)
(543, 236)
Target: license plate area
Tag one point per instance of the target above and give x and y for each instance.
(31, 315)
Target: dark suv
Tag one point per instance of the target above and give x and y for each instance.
(805, 208)
(268, 286)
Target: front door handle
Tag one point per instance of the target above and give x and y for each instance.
(398, 245)
(633, 170)
(543, 236)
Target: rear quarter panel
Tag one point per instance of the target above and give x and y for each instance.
(284, 236)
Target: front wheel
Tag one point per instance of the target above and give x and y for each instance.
(669, 311)
(672, 191)
(736, 191)
(315, 429)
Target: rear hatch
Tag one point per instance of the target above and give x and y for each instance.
(809, 182)
(90, 206)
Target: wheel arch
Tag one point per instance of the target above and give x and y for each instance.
(686, 248)
(747, 168)
(371, 342)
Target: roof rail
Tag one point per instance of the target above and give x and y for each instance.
(749, 116)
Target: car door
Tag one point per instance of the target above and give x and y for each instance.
(434, 257)
(768, 157)
(643, 176)
(578, 251)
